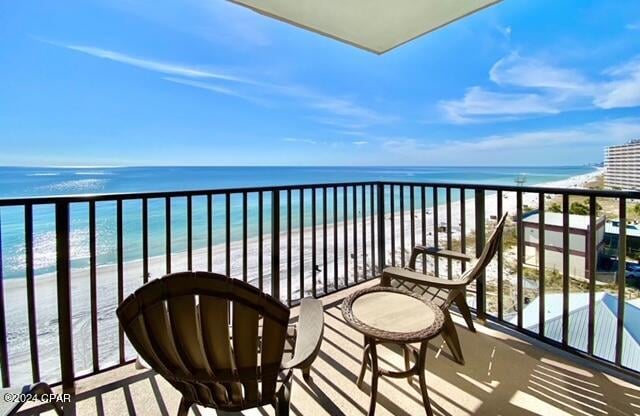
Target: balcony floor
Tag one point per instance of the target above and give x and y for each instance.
(504, 375)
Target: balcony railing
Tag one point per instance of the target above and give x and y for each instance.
(67, 262)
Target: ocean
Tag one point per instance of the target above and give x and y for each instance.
(48, 181)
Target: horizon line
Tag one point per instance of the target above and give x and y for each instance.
(592, 164)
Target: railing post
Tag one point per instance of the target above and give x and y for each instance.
(622, 262)
(4, 359)
(64, 296)
(480, 237)
(381, 231)
(275, 244)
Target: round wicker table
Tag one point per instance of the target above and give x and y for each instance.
(393, 316)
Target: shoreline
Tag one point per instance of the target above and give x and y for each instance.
(106, 282)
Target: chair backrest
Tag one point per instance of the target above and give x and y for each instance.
(489, 251)
(201, 332)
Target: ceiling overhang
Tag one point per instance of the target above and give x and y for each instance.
(374, 25)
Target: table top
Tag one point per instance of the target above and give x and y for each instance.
(392, 314)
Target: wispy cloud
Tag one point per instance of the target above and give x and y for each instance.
(624, 90)
(479, 104)
(348, 110)
(360, 142)
(297, 140)
(505, 31)
(220, 22)
(633, 26)
(529, 87)
(520, 71)
(356, 133)
(219, 90)
(155, 65)
(518, 147)
(339, 111)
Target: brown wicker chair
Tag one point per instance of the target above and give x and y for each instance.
(220, 341)
(444, 292)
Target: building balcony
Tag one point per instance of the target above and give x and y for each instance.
(543, 345)
(505, 373)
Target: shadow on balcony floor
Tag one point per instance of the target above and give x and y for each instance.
(504, 375)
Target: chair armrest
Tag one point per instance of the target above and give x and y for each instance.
(437, 252)
(419, 278)
(310, 330)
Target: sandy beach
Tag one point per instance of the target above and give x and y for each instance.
(107, 299)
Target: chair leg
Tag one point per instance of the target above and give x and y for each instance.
(184, 407)
(282, 400)
(306, 374)
(461, 303)
(451, 337)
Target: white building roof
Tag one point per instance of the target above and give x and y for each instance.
(613, 227)
(605, 308)
(373, 25)
(580, 222)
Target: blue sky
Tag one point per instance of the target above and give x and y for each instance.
(141, 82)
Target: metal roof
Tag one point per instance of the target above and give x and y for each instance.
(613, 227)
(606, 310)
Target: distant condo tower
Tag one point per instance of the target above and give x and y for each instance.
(622, 165)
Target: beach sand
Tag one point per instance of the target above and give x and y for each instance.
(106, 288)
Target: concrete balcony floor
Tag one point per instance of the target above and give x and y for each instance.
(505, 374)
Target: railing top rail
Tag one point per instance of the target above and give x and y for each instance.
(603, 193)
(39, 200)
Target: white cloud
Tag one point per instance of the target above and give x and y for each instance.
(347, 109)
(553, 146)
(532, 87)
(218, 89)
(479, 103)
(356, 133)
(534, 73)
(633, 26)
(505, 31)
(220, 22)
(345, 112)
(340, 111)
(360, 142)
(157, 66)
(297, 140)
(624, 90)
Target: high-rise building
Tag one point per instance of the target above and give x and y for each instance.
(622, 165)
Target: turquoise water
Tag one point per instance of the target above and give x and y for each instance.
(26, 181)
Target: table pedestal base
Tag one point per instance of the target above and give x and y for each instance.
(370, 360)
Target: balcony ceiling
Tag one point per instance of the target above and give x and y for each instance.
(374, 25)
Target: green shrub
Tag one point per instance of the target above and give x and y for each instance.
(555, 207)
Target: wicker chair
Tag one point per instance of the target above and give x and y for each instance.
(444, 292)
(220, 341)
